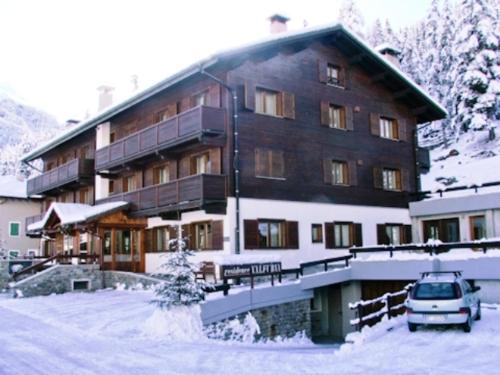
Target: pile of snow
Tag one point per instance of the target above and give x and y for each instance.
(459, 254)
(12, 187)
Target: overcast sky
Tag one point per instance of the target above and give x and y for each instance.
(54, 54)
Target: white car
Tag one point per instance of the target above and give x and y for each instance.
(443, 298)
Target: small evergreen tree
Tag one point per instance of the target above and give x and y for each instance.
(350, 16)
(180, 287)
(376, 36)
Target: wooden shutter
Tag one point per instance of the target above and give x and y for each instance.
(187, 236)
(343, 76)
(217, 235)
(288, 105)
(375, 124)
(405, 180)
(382, 238)
(329, 236)
(352, 172)
(172, 231)
(184, 167)
(378, 182)
(322, 71)
(251, 229)
(185, 104)
(349, 118)
(215, 160)
(327, 171)
(407, 234)
(172, 166)
(357, 235)
(214, 96)
(277, 164)
(292, 235)
(250, 96)
(149, 240)
(325, 113)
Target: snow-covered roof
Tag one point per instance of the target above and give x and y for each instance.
(12, 187)
(273, 39)
(72, 213)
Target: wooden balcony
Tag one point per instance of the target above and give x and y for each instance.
(195, 125)
(202, 191)
(74, 172)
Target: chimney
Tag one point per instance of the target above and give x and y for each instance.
(278, 23)
(105, 97)
(390, 53)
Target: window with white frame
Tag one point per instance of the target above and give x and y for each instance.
(14, 229)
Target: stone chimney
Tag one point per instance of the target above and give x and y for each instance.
(278, 23)
(105, 97)
(390, 53)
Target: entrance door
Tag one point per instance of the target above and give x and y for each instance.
(121, 249)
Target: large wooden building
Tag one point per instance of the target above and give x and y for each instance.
(325, 150)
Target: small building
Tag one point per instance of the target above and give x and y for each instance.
(15, 207)
(469, 217)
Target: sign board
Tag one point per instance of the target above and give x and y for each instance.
(250, 270)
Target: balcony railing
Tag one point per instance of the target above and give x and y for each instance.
(70, 172)
(32, 219)
(185, 193)
(175, 131)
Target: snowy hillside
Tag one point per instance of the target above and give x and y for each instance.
(473, 160)
(23, 127)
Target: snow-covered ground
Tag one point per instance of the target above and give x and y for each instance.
(109, 332)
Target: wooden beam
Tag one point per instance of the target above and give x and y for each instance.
(401, 93)
(419, 110)
(379, 77)
(356, 59)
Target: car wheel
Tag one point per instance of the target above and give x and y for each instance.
(468, 324)
(478, 314)
(412, 327)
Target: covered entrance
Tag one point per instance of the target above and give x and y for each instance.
(103, 232)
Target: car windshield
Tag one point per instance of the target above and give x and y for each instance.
(435, 291)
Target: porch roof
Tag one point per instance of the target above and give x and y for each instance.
(73, 213)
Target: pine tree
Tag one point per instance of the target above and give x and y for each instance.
(350, 16)
(179, 287)
(376, 36)
(476, 73)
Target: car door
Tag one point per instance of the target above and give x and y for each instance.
(470, 298)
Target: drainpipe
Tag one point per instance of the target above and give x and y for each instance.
(236, 151)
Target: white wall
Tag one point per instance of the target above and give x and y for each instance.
(303, 212)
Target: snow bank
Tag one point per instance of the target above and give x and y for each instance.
(462, 254)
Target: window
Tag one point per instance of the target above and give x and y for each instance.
(161, 175)
(129, 184)
(445, 230)
(107, 243)
(333, 75)
(162, 238)
(391, 179)
(336, 116)
(271, 234)
(200, 99)
(14, 228)
(339, 173)
(13, 254)
(50, 166)
(268, 102)
(269, 163)
(393, 232)
(342, 234)
(200, 164)
(388, 128)
(112, 137)
(202, 236)
(317, 233)
(84, 241)
(477, 227)
(68, 244)
(436, 291)
(111, 186)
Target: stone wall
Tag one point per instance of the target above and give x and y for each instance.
(285, 320)
(58, 279)
(4, 274)
(129, 280)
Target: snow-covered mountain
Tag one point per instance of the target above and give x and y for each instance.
(23, 127)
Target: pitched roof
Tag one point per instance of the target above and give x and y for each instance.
(271, 41)
(72, 213)
(12, 187)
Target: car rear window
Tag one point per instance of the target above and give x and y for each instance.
(435, 291)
